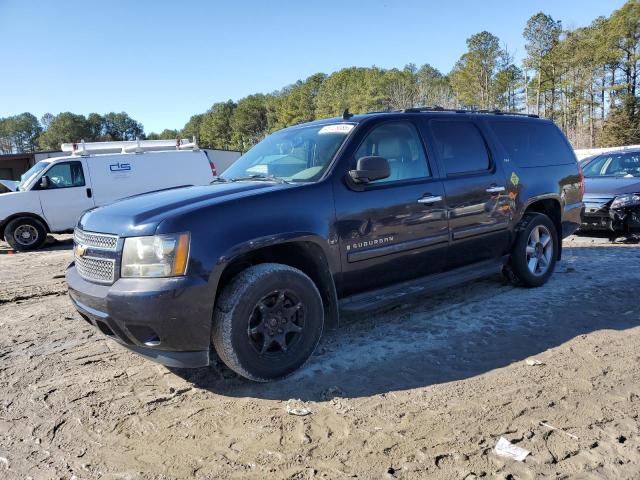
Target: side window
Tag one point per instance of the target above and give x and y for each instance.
(400, 144)
(459, 146)
(65, 175)
(533, 143)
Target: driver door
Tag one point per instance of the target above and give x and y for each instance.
(67, 196)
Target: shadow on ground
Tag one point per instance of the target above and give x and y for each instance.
(459, 334)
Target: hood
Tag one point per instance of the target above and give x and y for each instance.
(141, 214)
(10, 184)
(610, 186)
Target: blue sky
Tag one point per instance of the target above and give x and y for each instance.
(164, 61)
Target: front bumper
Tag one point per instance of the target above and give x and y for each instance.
(623, 220)
(167, 320)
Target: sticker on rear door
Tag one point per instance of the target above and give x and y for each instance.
(515, 179)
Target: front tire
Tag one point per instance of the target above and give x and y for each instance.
(267, 321)
(25, 233)
(534, 254)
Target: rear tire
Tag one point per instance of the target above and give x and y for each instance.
(267, 321)
(25, 233)
(534, 254)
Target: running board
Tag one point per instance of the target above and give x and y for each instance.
(421, 286)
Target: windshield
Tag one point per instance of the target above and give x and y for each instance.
(30, 174)
(614, 165)
(292, 155)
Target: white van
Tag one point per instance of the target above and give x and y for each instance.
(54, 193)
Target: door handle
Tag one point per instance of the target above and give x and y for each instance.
(495, 190)
(89, 193)
(430, 199)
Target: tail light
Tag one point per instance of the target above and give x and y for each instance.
(213, 169)
(581, 173)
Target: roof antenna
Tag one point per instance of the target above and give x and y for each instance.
(346, 115)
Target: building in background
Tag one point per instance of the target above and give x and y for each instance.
(13, 165)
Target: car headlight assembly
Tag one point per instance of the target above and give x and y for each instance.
(628, 200)
(155, 256)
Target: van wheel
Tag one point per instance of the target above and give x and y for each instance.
(535, 252)
(267, 321)
(25, 233)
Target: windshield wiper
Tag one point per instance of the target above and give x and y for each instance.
(219, 180)
(260, 178)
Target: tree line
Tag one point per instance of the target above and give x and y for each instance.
(585, 79)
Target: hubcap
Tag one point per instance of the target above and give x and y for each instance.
(539, 250)
(276, 323)
(25, 235)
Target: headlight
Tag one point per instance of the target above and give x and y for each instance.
(627, 200)
(156, 256)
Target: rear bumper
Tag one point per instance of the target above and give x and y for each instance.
(167, 320)
(572, 218)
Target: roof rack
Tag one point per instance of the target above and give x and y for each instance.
(133, 146)
(437, 108)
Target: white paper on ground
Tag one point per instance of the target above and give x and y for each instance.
(505, 448)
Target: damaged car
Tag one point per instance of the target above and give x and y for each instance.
(612, 194)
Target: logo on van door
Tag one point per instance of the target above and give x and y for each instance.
(120, 167)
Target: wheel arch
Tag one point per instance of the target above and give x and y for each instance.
(551, 207)
(6, 221)
(305, 255)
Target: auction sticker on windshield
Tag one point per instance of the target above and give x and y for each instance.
(338, 128)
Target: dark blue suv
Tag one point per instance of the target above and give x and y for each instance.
(347, 213)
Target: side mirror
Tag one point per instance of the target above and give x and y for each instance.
(369, 169)
(44, 183)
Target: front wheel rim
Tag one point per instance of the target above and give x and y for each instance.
(276, 323)
(26, 235)
(539, 250)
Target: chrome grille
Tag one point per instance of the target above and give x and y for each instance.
(101, 241)
(97, 269)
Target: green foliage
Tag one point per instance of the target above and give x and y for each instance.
(192, 127)
(358, 89)
(169, 134)
(19, 133)
(120, 126)
(215, 126)
(65, 127)
(249, 122)
(474, 76)
(623, 125)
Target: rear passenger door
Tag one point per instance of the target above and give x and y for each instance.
(478, 206)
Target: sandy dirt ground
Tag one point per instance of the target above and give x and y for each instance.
(422, 390)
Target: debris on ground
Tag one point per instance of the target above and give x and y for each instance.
(551, 427)
(533, 362)
(505, 448)
(299, 410)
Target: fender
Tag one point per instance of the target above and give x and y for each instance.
(544, 196)
(325, 273)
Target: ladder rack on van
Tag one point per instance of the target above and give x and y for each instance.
(131, 146)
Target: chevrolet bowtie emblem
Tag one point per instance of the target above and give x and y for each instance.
(81, 250)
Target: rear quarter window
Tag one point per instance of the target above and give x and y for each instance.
(533, 144)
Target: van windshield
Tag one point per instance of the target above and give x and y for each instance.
(293, 155)
(30, 174)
